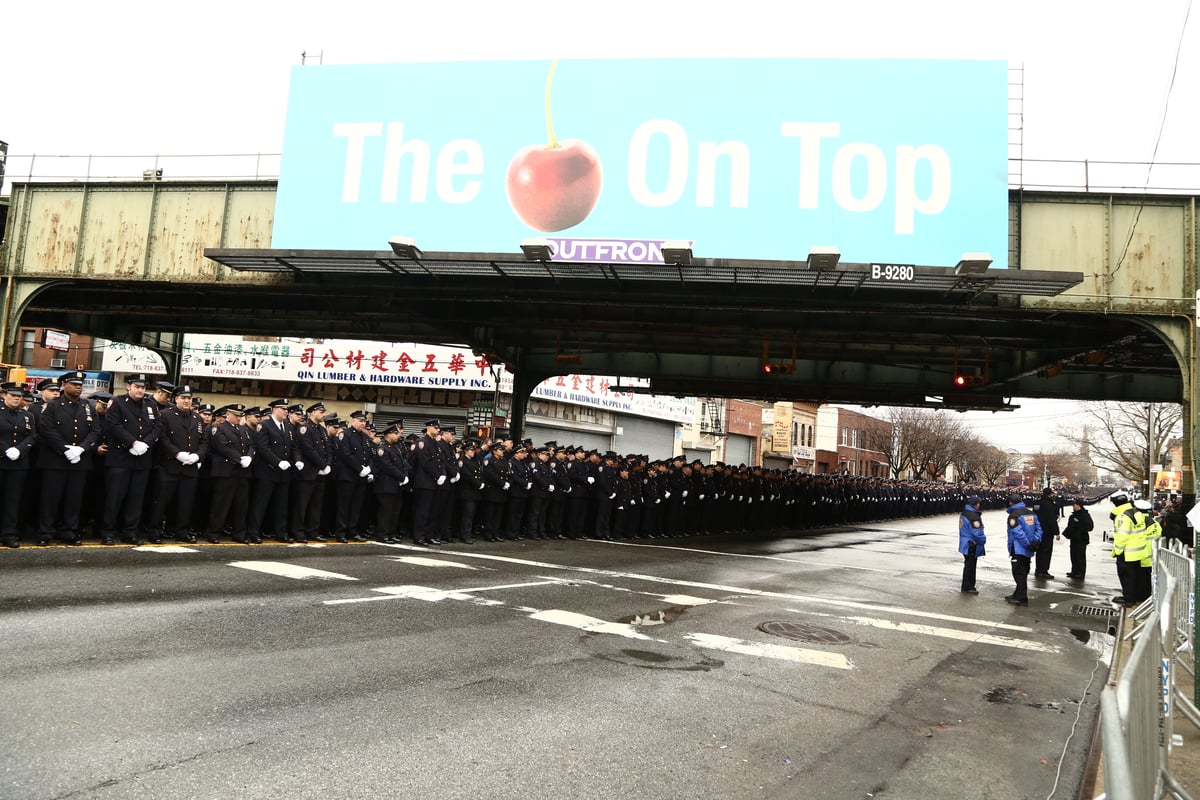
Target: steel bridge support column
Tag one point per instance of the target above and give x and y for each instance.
(17, 294)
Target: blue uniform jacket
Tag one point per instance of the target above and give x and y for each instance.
(970, 529)
(1024, 530)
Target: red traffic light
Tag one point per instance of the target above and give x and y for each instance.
(776, 369)
(969, 380)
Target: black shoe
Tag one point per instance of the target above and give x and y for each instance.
(320, 538)
(156, 540)
(107, 540)
(133, 540)
(1043, 575)
(343, 539)
(970, 591)
(214, 540)
(43, 542)
(362, 538)
(241, 540)
(299, 540)
(1014, 601)
(491, 538)
(13, 543)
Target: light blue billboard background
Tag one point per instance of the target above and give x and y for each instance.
(944, 118)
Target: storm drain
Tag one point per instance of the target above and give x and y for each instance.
(1094, 611)
(803, 632)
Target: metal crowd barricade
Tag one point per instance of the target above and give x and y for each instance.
(1132, 714)
(1171, 559)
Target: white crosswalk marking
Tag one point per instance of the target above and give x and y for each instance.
(800, 655)
(289, 570)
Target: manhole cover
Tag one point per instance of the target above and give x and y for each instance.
(803, 632)
(1094, 611)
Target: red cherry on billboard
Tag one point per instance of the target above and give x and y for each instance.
(554, 186)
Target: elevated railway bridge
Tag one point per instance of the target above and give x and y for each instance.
(1098, 303)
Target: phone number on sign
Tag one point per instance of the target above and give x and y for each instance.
(893, 272)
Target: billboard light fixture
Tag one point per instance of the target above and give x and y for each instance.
(823, 257)
(537, 249)
(973, 264)
(677, 252)
(404, 247)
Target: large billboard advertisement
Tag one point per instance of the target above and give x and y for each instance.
(897, 161)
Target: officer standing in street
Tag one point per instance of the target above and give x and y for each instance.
(1078, 533)
(232, 453)
(18, 435)
(354, 475)
(1024, 536)
(390, 468)
(470, 489)
(497, 474)
(274, 445)
(68, 433)
(131, 428)
(182, 448)
(444, 497)
(315, 451)
(971, 541)
(429, 473)
(1047, 512)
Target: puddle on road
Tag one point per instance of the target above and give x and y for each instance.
(660, 617)
(1011, 696)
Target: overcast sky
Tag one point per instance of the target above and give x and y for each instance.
(1100, 78)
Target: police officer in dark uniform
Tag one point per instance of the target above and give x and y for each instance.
(181, 451)
(232, 452)
(444, 497)
(390, 468)
(542, 479)
(518, 494)
(582, 479)
(274, 444)
(469, 488)
(131, 427)
(68, 434)
(606, 493)
(354, 474)
(497, 475)
(18, 435)
(93, 496)
(315, 451)
(429, 474)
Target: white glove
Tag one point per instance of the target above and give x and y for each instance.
(701, 497)
(591, 479)
(657, 501)
(370, 479)
(73, 453)
(528, 485)
(441, 479)
(667, 495)
(364, 472)
(506, 486)
(139, 448)
(12, 453)
(182, 458)
(245, 461)
(750, 500)
(611, 496)
(193, 458)
(325, 470)
(482, 486)
(683, 493)
(455, 478)
(284, 466)
(405, 481)
(74, 460)
(299, 465)
(620, 508)
(550, 488)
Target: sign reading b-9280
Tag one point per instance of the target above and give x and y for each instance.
(903, 273)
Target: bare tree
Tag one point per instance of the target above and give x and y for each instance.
(992, 463)
(905, 423)
(1116, 435)
(935, 442)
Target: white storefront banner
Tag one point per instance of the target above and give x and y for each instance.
(382, 364)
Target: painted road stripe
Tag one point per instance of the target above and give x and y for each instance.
(289, 570)
(739, 590)
(586, 623)
(945, 633)
(437, 595)
(783, 652)
(806, 561)
(164, 548)
(430, 562)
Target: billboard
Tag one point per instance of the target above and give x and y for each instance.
(897, 161)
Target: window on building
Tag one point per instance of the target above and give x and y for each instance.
(845, 436)
(28, 343)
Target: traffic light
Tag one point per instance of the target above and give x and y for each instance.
(776, 369)
(962, 381)
(11, 372)
(483, 432)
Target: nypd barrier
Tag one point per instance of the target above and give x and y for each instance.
(1132, 715)
(1171, 560)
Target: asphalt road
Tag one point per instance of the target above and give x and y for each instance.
(548, 670)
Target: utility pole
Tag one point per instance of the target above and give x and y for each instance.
(1149, 444)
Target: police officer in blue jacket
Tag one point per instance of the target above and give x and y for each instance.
(1024, 536)
(971, 539)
